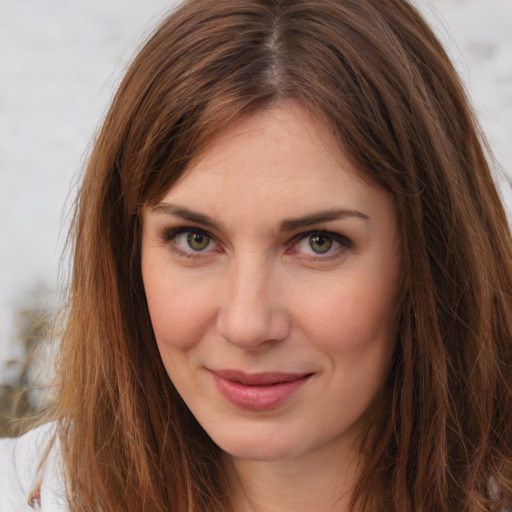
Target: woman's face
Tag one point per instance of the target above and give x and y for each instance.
(271, 273)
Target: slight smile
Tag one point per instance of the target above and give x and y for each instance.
(258, 391)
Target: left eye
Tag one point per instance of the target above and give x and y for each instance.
(321, 243)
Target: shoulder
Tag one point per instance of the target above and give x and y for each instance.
(22, 474)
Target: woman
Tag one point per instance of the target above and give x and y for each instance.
(292, 277)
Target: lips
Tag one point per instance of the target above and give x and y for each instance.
(258, 391)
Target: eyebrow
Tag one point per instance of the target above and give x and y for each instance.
(186, 214)
(287, 225)
(322, 216)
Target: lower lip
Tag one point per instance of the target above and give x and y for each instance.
(258, 398)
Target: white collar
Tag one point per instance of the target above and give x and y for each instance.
(24, 485)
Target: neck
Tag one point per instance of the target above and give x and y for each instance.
(322, 481)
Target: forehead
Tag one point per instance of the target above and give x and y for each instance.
(281, 146)
(277, 164)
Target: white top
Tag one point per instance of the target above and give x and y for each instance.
(19, 475)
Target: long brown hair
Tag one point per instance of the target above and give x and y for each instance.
(380, 81)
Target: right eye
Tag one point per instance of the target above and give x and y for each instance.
(188, 240)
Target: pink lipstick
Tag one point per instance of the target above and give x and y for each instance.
(258, 391)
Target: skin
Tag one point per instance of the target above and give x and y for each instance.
(256, 293)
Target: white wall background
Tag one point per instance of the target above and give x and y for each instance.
(59, 63)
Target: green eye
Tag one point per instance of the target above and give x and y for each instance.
(320, 243)
(197, 241)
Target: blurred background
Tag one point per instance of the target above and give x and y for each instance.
(60, 62)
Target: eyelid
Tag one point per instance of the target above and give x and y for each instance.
(342, 239)
(170, 233)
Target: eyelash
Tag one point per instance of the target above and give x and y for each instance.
(170, 235)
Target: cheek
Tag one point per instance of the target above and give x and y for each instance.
(349, 315)
(180, 312)
(354, 331)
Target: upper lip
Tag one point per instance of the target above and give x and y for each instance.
(261, 378)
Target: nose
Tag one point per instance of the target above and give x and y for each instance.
(252, 314)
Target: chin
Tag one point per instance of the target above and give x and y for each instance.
(259, 452)
(258, 445)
